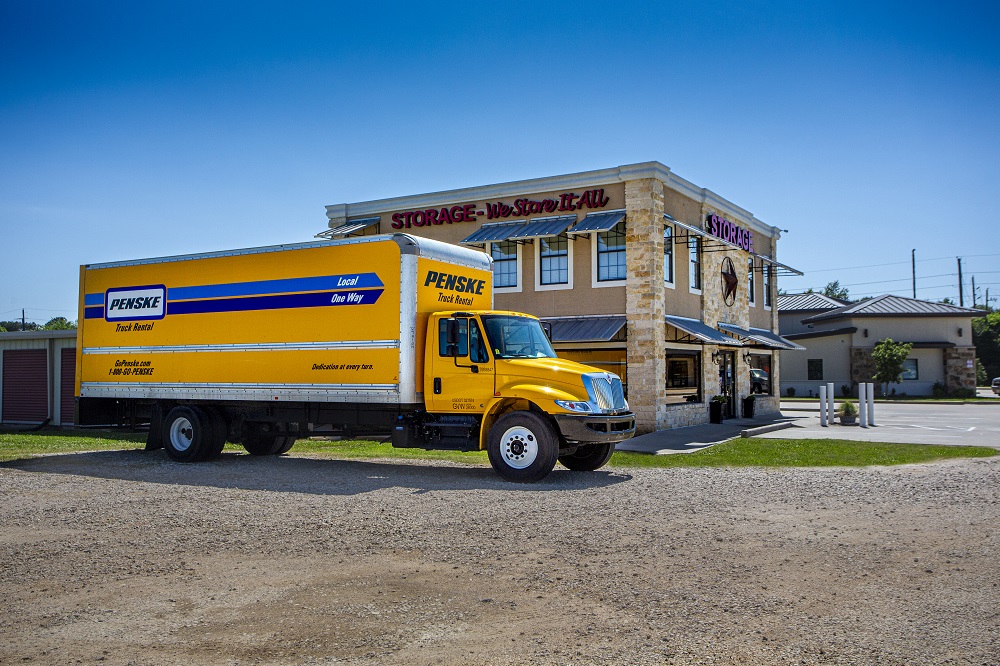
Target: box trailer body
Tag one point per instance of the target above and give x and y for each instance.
(379, 335)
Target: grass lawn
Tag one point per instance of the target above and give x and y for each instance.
(750, 452)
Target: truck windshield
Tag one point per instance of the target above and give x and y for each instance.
(517, 337)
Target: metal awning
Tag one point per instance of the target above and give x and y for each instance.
(546, 226)
(701, 332)
(349, 228)
(726, 245)
(585, 329)
(760, 337)
(492, 233)
(598, 222)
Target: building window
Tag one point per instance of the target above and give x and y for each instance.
(694, 250)
(814, 367)
(768, 274)
(760, 374)
(751, 289)
(683, 377)
(505, 268)
(554, 260)
(909, 369)
(668, 255)
(611, 254)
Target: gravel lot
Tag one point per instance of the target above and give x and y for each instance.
(126, 557)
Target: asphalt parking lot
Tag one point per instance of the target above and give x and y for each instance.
(973, 424)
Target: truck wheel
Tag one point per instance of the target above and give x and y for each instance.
(188, 435)
(219, 431)
(262, 444)
(522, 447)
(286, 447)
(588, 457)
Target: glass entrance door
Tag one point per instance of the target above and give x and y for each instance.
(727, 382)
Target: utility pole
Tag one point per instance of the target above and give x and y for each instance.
(961, 300)
(913, 264)
(22, 320)
(973, 291)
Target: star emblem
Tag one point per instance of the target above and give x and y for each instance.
(729, 281)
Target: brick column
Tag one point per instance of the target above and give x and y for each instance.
(644, 303)
(957, 371)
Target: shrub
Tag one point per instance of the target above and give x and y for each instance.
(790, 391)
(848, 408)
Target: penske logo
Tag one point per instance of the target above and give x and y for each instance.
(135, 303)
(459, 283)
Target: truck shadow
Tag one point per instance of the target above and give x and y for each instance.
(292, 474)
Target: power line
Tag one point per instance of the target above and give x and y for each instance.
(900, 263)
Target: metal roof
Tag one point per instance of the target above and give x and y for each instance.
(348, 229)
(813, 301)
(497, 231)
(889, 305)
(597, 222)
(760, 337)
(547, 226)
(585, 329)
(701, 332)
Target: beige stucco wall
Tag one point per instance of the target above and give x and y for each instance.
(911, 329)
(835, 350)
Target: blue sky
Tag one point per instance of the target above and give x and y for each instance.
(128, 130)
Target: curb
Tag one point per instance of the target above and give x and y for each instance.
(760, 430)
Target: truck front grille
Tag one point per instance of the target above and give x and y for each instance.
(606, 391)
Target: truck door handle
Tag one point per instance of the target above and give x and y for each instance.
(437, 386)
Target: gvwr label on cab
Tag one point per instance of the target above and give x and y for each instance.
(135, 303)
(458, 283)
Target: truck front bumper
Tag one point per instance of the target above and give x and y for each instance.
(596, 428)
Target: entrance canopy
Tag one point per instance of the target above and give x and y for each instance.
(585, 329)
(345, 230)
(760, 337)
(699, 332)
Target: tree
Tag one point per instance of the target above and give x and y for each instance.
(889, 357)
(16, 325)
(2, 329)
(834, 290)
(986, 338)
(59, 324)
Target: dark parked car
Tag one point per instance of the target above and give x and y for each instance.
(760, 382)
(996, 385)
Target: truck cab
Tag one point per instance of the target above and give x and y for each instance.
(492, 381)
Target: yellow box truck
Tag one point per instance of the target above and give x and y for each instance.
(386, 335)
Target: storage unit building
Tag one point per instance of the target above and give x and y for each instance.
(37, 377)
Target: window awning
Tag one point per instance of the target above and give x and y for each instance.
(491, 233)
(548, 226)
(760, 337)
(598, 222)
(349, 228)
(700, 332)
(585, 329)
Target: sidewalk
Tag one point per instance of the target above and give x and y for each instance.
(695, 438)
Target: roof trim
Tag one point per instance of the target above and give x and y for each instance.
(847, 330)
(337, 213)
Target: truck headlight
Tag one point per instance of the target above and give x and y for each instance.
(575, 405)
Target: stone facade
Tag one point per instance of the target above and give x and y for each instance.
(644, 302)
(960, 369)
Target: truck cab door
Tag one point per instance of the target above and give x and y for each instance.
(462, 372)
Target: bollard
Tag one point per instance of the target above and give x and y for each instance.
(871, 404)
(829, 403)
(863, 405)
(822, 406)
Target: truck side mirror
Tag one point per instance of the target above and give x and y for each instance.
(547, 328)
(451, 350)
(452, 335)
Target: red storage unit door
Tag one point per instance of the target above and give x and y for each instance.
(68, 383)
(25, 385)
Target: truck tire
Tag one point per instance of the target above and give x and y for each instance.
(188, 434)
(219, 431)
(588, 457)
(286, 447)
(522, 447)
(260, 442)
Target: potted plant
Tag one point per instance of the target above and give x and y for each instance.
(715, 406)
(748, 406)
(848, 413)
